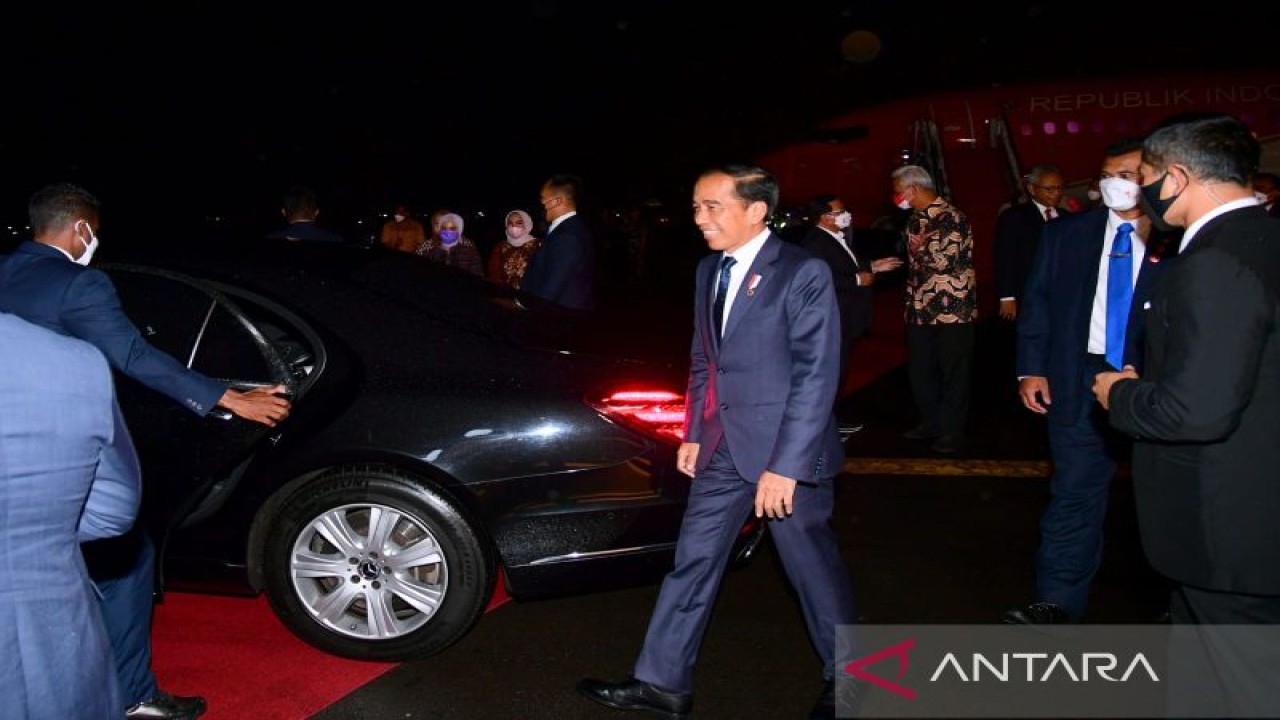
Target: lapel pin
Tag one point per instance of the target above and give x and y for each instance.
(752, 284)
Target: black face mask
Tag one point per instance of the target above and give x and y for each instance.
(1153, 206)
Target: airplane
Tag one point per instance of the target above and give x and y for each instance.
(978, 143)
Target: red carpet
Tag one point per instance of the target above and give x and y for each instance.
(235, 653)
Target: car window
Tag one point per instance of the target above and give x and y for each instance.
(170, 315)
(228, 351)
(190, 324)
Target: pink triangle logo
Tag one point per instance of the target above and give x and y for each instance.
(858, 668)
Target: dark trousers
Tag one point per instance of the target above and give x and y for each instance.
(1084, 451)
(123, 570)
(1221, 664)
(939, 364)
(719, 503)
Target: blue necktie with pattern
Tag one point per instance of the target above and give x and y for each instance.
(1119, 293)
(722, 289)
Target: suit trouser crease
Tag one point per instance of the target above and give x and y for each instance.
(1071, 527)
(939, 365)
(720, 500)
(127, 600)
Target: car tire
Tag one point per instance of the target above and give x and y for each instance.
(406, 595)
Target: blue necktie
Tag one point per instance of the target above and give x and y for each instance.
(1119, 293)
(722, 289)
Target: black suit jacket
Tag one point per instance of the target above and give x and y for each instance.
(1017, 236)
(563, 270)
(1206, 414)
(855, 302)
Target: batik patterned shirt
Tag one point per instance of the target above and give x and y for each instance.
(941, 287)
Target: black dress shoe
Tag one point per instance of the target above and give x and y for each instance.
(948, 444)
(921, 432)
(163, 706)
(825, 707)
(637, 695)
(1038, 613)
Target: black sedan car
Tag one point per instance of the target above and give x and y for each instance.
(447, 436)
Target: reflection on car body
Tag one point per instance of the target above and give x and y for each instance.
(444, 438)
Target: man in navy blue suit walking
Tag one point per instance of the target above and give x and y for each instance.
(1067, 328)
(760, 436)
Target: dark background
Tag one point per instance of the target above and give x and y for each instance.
(195, 112)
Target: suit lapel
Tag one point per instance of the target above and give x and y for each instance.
(847, 258)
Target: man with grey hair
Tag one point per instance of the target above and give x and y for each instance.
(941, 307)
(1017, 234)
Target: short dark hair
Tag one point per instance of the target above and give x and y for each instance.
(566, 185)
(300, 201)
(55, 206)
(820, 205)
(1123, 146)
(751, 183)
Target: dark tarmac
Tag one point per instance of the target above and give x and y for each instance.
(927, 538)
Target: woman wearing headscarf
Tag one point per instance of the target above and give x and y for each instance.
(509, 258)
(450, 247)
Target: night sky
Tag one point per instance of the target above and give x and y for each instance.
(200, 109)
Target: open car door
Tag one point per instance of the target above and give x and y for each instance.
(185, 457)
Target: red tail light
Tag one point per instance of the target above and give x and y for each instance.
(657, 413)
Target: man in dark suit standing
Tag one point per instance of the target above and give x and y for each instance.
(564, 268)
(829, 239)
(1017, 234)
(1063, 332)
(48, 281)
(1205, 412)
(300, 210)
(760, 436)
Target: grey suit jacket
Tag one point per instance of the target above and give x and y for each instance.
(68, 473)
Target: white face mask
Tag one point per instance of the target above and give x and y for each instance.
(515, 232)
(399, 218)
(1119, 194)
(844, 219)
(90, 247)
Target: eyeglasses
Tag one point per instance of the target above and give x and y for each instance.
(1050, 188)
